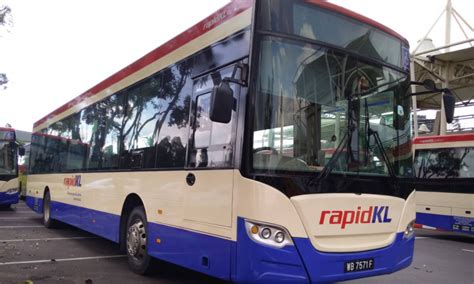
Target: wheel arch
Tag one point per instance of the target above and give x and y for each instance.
(132, 201)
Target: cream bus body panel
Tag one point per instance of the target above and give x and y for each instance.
(443, 203)
(162, 192)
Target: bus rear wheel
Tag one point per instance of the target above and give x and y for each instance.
(136, 242)
(47, 221)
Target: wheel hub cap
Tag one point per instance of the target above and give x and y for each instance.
(136, 240)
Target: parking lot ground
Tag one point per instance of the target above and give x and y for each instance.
(28, 251)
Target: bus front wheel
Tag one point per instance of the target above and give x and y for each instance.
(136, 242)
(47, 221)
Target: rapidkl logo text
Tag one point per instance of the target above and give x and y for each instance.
(374, 214)
(73, 181)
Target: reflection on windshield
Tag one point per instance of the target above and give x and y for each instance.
(444, 163)
(302, 111)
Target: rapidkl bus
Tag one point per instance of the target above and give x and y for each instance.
(444, 167)
(208, 152)
(9, 191)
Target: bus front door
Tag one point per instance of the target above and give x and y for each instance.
(208, 198)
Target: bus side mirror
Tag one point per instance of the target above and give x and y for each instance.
(222, 103)
(21, 151)
(449, 103)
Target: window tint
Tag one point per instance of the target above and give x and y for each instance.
(144, 126)
(143, 111)
(101, 129)
(172, 123)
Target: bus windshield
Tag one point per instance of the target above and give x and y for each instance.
(7, 153)
(443, 163)
(312, 99)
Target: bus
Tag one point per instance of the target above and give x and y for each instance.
(444, 167)
(9, 190)
(210, 152)
(23, 170)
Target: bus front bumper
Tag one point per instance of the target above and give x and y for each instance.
(302, 263)
(7, 198)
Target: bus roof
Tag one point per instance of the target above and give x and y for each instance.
(234, 8)
(356, 16)
(444, 139)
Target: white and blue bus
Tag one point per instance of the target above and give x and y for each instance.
(9, 189)
(444, 167)
(244, 148)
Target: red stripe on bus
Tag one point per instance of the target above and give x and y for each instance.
(222, 15)
(444, 139)
(356, 16)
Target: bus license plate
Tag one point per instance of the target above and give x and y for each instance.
(359, 265)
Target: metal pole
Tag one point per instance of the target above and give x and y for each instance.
(449, 13)
(447, 75)
(413, 98)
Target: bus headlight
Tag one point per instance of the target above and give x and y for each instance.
(12, 191)
(271, 235)
(279, 237)
(409, 231)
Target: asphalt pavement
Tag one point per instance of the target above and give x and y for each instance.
(30, 253)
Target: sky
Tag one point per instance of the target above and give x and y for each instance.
(57, 49)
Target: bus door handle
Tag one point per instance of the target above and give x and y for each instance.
(190, 179)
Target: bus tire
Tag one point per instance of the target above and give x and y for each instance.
(136, 242)
(47, 221)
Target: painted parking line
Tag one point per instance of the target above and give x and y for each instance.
(20, 212)
(467, 250)
(46, 239)
(420, 238)
(17, 218)
(21, 227)
(61, 259)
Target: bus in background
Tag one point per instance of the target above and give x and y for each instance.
(444, 167)
(9, 191)
(208, 152)
(23, 164)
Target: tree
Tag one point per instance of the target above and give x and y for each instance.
(5, 22)
(3, 81)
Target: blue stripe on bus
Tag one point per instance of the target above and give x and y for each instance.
(99, 223)
(36, 204)
(196, 251)
(7, 199)
(447, 223)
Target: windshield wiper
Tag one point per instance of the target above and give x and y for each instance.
(378, 142)
(337, 153)
(332, 162)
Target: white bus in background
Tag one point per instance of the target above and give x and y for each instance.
(208, 152)
(444, 168)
